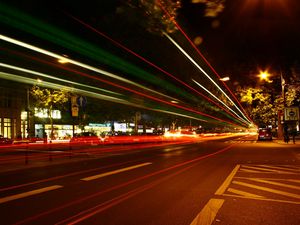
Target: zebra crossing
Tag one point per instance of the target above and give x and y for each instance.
(279, 183)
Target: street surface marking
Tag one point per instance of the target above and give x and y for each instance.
(244, 193)
(208, 213)
(173, 149)
(29, 193)
(248, 171)
(266, 181)
(282, 168)
(263, 199)
(260, 170)
(267, 189)
(115, 172)
(228, 180)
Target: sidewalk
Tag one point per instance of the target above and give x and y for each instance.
(280, 141)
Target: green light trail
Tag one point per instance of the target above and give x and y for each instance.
(55, 78)
(46, 84)
(54, 55)
(29, 24)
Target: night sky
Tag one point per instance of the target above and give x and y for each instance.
(247, 36)
(262, 33)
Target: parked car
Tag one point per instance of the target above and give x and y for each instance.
(264, 134)
(5, 141)
(86, 138)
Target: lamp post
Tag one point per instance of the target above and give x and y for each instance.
(28, 111)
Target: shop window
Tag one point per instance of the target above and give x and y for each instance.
(7, 127)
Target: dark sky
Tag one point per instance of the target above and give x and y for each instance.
(265, 33)
(251, 33)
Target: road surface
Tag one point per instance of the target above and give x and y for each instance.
(236, 181)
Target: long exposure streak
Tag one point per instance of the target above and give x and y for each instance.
(219, 101)
(54, 55)
(151, 64)
(193, 61)
(202, 56)
(25, 45)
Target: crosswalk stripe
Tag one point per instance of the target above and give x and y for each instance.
(293, 180)
(274, 183)
(290, 166)
(264, 169)
(243, 193)
(264, 199)
(249, 171)
(284, 193)
(280, 167)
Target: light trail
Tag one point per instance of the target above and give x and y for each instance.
(26, 80)
(28, 24)
(152, 64)
(59, 57)
(17, 78)
(34, 48)
(55, 78)
(220, 101)
(205, 60)
(193, 61)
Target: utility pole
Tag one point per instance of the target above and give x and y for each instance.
(28, 111)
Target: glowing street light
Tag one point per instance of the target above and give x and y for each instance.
(264, 76)
(224, 79)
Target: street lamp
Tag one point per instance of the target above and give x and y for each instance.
(224, 79)
(264, 76)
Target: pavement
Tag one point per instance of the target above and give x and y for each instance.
(281, 141)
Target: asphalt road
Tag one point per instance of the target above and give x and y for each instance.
(233, 181)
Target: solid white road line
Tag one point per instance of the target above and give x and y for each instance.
(115, 172)
(284, 193)
(208, 213)
(243, 193)
(29, 193)
(228, 180)
(266, 181)
(262, 170)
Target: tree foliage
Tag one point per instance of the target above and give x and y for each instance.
(158, 16)
(49, 99)
(263, 103)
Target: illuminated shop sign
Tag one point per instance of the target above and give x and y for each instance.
(43, 113)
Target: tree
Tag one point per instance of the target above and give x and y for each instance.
(263, 103)
(158, 16)
(49, 99)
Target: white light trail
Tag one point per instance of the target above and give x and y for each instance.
(31, 81)
(193, 61)
(55, 78)
(239, 117)
(59, 57)
(26, 80)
